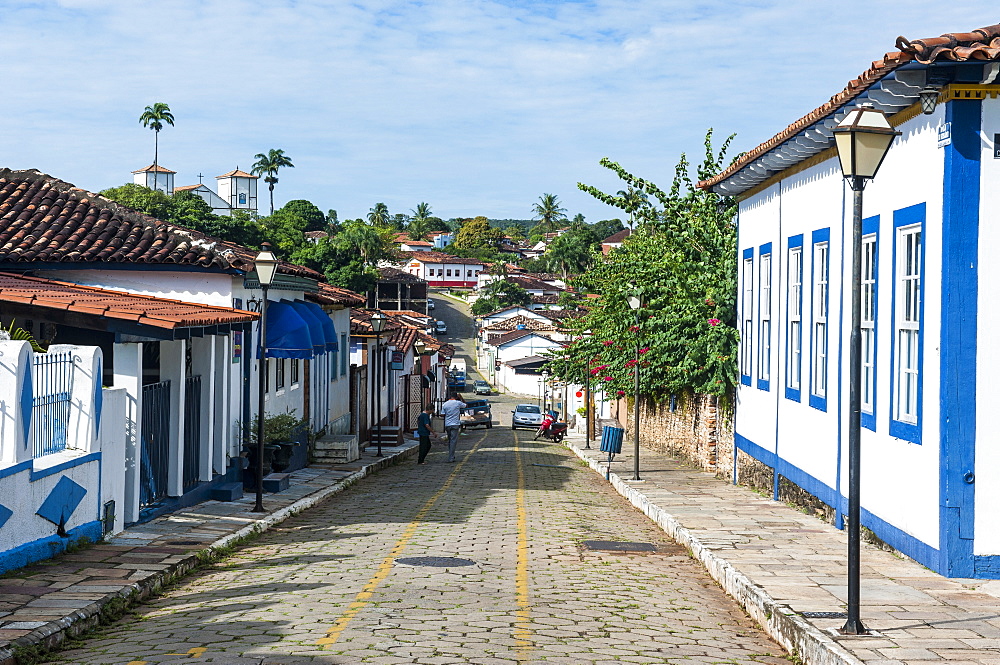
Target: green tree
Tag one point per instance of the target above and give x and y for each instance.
(153, 117)
(268, 166)
(378, 215)
(607, 228)
(549, 213)
(152, 202)
(635, 200)
(498, 294)
(572, 252)
(314, 218)
(681, 262)
(419, 221)
(371, 243)
(478, 234)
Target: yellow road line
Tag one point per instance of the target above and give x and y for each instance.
(384, 568)
(522, 623)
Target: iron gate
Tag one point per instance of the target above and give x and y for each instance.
(192, 430)
(155, 443)
(414, 387)
(52, 385)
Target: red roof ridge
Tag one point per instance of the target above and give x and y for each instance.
(155, 168)
(237, 174)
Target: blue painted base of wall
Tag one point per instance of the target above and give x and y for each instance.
(986, 567)
(46, 548)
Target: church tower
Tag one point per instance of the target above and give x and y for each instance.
(239, 190)
(156, 178)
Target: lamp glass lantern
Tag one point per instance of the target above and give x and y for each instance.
(420, 346)
(378, 322)
(634, 302)
(266, 265)
(928, 100)
(863, 140)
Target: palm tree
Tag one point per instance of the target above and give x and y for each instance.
(634, 200)
(379, 215)
(268, 165)
(549, 212)
(417, 228)
(153, 117)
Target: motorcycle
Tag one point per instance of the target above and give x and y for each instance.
(551, 429)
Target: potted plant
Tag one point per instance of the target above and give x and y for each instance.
(281, 434)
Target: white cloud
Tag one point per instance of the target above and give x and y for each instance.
(476, 106)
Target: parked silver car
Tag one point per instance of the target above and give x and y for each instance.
(480, 387)
(528, 416)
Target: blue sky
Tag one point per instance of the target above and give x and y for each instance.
(475, 106)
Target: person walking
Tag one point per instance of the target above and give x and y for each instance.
(452, 410)
(425, 429)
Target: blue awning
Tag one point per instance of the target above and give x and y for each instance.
(316, 332)
(288, 333)
(331, 333)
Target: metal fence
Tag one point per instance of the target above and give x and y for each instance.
(192, 430)
(155, 442)
(52, 386)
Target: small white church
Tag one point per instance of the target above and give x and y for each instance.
(236, 190)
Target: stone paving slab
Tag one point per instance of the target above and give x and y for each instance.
(778, 562)
(51, 600)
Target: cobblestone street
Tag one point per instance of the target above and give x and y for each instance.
(333, 585)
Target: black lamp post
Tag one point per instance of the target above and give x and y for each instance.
(266, 265)
(863, 140)
(378, 322)
(589, 434)
(635, 304)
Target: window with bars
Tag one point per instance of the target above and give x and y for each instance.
(820, 318)
(906, 379)
(746, 332)
(793, 340)
(764, 314)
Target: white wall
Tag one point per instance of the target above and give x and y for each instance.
(899, 479)
(529, 345)
(987, 441)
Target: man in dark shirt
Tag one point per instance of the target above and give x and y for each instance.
(424, 430)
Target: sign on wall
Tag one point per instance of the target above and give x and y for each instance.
(397, 360)
(237, 346)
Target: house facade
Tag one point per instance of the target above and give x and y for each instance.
(930, 467)
(443, 270)
(191, 383)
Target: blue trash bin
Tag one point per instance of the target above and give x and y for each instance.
(611, 440)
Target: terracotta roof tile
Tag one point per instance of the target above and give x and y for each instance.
(158, 168)
(617, 237)
(159, 312)
(45, 219)
(979, 45)
(389, 274)
(341, 296)
(236, 173)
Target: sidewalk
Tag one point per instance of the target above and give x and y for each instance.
(778, 562)
(47, 602)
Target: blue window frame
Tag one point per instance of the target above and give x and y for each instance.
(906, 389)
(764, 318)
(746, 313)
(819, 319)
(793, 307)
(869, 320)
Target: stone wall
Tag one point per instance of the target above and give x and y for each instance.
(697, 429)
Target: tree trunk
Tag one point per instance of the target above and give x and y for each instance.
(270, 187)
(156, 158)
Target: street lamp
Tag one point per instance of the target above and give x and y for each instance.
(266, 265)
(863, 140)
(378, 322)
(545, 391)
(589, 434)
(635, 304)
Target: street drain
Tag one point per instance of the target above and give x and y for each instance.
(436, 561)
(183, 542)
(618, 546)
(823, 615)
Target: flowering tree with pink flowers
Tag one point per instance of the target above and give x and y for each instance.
(681, 262)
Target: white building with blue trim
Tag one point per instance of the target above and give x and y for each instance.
(930, 468)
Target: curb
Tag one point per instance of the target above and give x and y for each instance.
(780, 622)
(54, 633)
